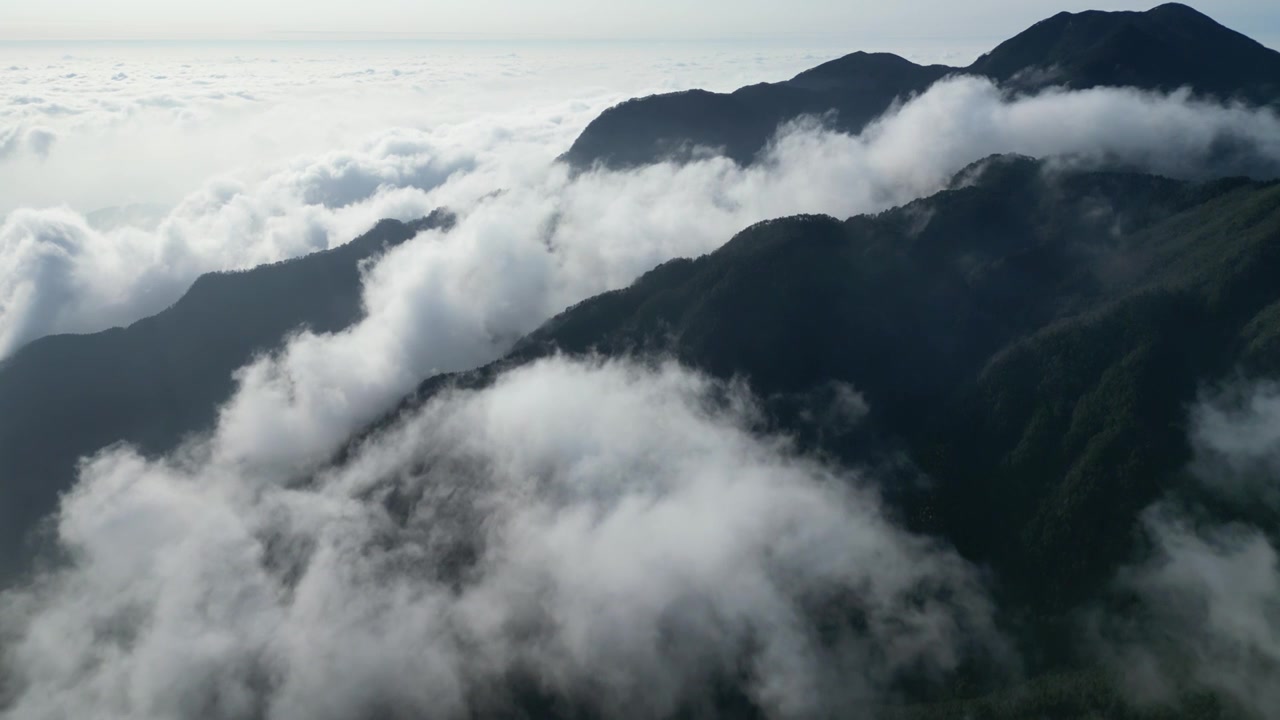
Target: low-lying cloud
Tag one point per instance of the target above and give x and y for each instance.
(597, 535)
(1209, 594)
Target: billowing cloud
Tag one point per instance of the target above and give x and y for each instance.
(1209, 594)
(636, 218)
(594, 534)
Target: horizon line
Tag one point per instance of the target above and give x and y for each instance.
(398, 36)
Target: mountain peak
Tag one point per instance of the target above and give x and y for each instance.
(859, 60)
(1174, 9)
(866, 70)
(1170, 46)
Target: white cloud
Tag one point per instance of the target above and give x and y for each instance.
(612, 534)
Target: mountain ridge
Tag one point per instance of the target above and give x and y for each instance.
(1010, 270)
(1163, 49)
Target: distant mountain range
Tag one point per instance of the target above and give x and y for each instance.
(1166, 48)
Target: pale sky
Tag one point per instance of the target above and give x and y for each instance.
(937, 20)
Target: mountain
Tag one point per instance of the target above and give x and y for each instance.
(1168, 47)
(163, 377)
(1028, 340)
(857, 87)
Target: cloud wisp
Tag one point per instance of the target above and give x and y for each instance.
(1209, 592)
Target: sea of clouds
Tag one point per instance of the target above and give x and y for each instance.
(601, 533)
(128, 170)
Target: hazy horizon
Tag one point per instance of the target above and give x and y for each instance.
(916, 20)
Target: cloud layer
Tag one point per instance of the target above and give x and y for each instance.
(100, 125)
(600, 535)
